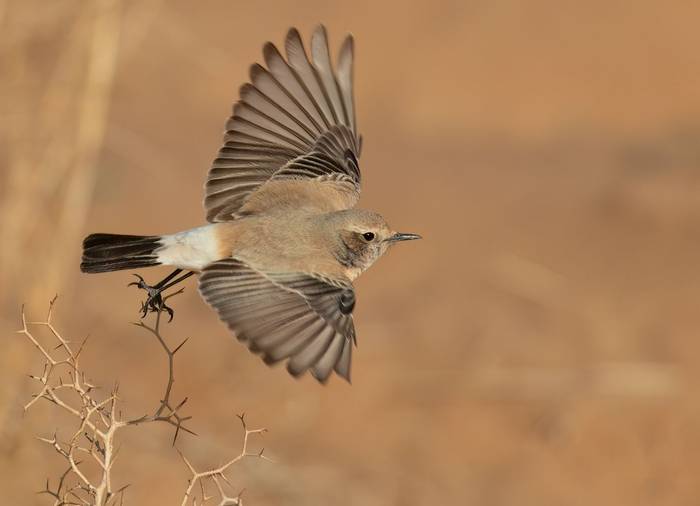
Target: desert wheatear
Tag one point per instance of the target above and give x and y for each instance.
(284, 240)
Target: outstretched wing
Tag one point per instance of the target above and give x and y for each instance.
(294, 120)
(282, 316)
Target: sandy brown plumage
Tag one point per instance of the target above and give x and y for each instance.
(284, 241)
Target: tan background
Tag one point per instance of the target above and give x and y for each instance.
(539, 346)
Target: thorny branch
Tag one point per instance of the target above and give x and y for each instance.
(217, 475)
(166, 411)
(99, 421)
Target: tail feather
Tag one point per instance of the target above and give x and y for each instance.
(112, 252)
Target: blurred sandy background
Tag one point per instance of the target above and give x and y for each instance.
(539, 346)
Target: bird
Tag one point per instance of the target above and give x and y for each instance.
(284, 240)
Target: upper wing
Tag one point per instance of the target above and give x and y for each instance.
(282, 316)
(294, 120)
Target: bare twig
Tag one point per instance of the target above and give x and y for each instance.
(97, 421)
(64, 383)
(217, 475)
(166, 411)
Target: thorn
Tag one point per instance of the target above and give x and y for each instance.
(177, 432)
(180, 346)
(82, 345)
(182, 403)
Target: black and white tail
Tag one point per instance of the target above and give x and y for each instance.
(113, 252)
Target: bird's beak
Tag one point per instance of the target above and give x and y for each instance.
(398, 236)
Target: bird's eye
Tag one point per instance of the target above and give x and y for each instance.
(369, 236)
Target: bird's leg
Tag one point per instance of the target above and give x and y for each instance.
(154, 302)
(164, 285)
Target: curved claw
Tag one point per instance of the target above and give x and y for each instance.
(154, 301)
(138, 283)
(170, 312)
(144, 309)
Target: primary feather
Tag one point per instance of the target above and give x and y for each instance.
(292, 113)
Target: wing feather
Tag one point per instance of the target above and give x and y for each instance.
(321, 60)
(293, 110)
(288, 77)
(296, 55)
(342, 366)
(324, 365)
(345, 78)
(312, 352)
(282, 316)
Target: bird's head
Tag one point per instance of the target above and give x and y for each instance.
(364, 236)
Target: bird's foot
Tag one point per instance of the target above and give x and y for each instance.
(154, 302)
